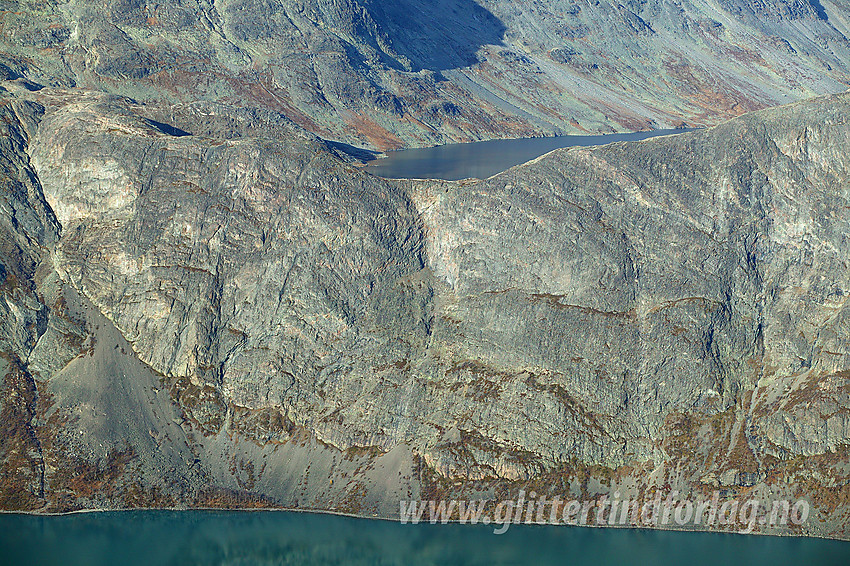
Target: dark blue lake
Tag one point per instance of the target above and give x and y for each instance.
(485, 159)
(265, 538)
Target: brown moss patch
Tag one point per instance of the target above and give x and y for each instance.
(555, 301)
(202, 405)
(260, 426)
(360, 452)
(21, 461)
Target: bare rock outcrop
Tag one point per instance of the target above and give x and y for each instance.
(402, 73)
(255, 322)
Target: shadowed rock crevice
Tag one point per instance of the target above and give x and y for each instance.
(168, 129)
(819, 10)
(438, 35)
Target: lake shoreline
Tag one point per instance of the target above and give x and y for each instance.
(381, 518)
(485, 159)
(672, 132)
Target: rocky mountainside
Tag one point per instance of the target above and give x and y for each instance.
(389, 74)
(203, 320)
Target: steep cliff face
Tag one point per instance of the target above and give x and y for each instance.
(27, 229)
(254, 322)
(410, 72)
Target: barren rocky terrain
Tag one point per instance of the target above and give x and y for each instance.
(191, 320)
(204, 302)
(409, 73)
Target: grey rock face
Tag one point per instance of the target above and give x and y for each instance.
(27, 228)
(661, 313)
(274, 256)
(410, 73)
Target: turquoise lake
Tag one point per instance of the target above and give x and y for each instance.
(266, 538)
